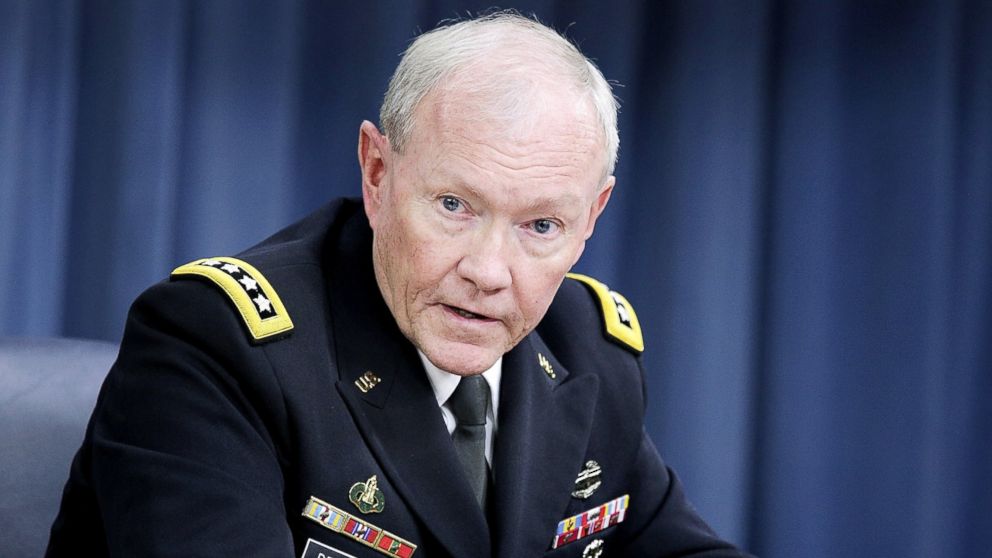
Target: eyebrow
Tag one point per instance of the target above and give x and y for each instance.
(543, 204)
(552, 203)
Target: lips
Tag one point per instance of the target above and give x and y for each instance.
(466, 313)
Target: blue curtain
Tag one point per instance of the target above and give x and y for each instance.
(803, 218)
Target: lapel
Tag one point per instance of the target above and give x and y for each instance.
(398, 417)
(543, 431)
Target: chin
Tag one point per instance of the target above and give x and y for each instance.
(463, 361)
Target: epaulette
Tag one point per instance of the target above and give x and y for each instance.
(257, 302)
(619, 317)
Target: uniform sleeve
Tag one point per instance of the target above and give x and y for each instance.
(180, 459)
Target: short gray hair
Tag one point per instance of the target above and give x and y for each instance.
(434, 56)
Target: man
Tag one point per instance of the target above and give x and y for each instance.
(412, 375)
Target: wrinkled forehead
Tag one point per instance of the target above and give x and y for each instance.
(524, 114)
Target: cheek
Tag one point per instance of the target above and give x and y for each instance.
(536, 291)
(397, 256)
(428, 258)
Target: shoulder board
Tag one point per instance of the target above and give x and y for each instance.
(253, 296)
(621, 321)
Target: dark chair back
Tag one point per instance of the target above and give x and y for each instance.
(48, 388)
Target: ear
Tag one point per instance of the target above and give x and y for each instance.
(602, 198)
(373, 154)
(598, 205)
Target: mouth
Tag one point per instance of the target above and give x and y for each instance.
(463, 313)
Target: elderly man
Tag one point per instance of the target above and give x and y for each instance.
(412, 375)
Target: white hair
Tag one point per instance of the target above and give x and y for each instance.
(505, 41)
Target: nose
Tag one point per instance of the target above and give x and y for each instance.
(486, 263)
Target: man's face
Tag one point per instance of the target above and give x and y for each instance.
(475, 226)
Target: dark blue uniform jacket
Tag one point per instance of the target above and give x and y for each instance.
(205, 443)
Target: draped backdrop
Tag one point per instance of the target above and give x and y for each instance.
(802, 219)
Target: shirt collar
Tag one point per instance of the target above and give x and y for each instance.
(444, 383)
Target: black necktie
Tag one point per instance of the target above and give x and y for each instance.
(469, 404)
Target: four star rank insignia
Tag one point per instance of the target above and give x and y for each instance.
(256, 301)
(620, 321)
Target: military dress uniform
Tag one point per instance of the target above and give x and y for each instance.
(268, 405)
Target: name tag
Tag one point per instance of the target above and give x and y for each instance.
(317, 549)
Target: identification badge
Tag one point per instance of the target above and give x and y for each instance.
(317, 549)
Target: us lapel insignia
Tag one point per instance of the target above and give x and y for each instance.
(343, 523)
(588, 480)
(594, 549)
(546, 365)
(366, 496)
(590, 522)
(367, 381)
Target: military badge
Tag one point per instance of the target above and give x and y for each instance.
(366, 496)
(343, 523)
(590, 522)
(546, 365)
(594, 549)
(588, 480)
(325, 514)
(367, 381)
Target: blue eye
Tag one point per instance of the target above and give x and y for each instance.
(451, 203)
(544, 226)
